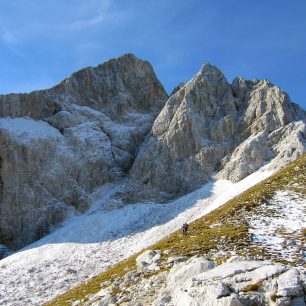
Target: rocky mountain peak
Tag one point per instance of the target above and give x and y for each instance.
(209, 76)
(59, 144)
(265, 104)
(109, 85)
(210, 126)
(115, 121)
(209, 69)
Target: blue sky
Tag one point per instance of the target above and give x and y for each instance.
(43, 41)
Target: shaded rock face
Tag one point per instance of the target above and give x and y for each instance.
(210, 126)
(4, 251)
(57, 145)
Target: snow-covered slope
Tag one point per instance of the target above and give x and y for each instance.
(88, 244)
(264, 224)
(278, 225)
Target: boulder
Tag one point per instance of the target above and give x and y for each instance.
(239, 281)
(289, 284)
(183, 271)
(148, 261)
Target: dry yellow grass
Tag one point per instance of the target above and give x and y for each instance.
(206, 233)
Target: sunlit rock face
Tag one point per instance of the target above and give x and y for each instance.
(57, 145)
(212, 127)
(115, 121)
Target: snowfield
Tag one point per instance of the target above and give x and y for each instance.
(278, 225)
(107, 233)
(25, 129)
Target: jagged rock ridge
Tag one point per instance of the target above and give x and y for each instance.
(210, 126)
(57, 145)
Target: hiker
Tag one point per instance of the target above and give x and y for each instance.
(185, 228)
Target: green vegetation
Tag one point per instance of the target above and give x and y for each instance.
(225, 227)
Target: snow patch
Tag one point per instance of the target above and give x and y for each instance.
(87, 245)
(26, 129)
(280, 220)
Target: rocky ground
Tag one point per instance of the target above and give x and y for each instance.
(198, 281)
(279, 227)
(170, 278)
(251, 251)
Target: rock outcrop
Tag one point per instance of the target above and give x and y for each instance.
(57, 145)
(211, 127)
(239, 281)
(198, 281)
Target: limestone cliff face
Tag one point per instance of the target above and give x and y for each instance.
(209, 126)
(110, 122)
(57, 145)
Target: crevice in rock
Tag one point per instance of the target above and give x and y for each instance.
(128, 167)
(107, 134)
(113, 155)
(234, 92)
(55, 127)
(57, 109)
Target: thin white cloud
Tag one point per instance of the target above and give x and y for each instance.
(84, 23)
(35, 25)
(10, 40)
(97, 12)
(8, 37)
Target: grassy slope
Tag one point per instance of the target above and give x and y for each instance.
(225, 228)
